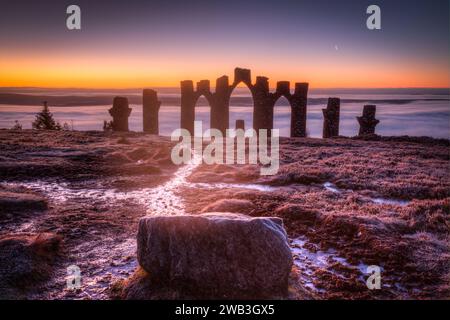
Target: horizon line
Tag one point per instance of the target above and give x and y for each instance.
(176, 87)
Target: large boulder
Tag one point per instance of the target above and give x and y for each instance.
(216, 255)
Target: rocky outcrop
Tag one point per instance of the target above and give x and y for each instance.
(216, 255)
(297, 213)
(25, 260)
(20, 201)
(230, 205)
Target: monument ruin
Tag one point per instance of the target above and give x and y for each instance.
(219, 101)
(263, 102)
(120, 113)
(331, 118)
(150, 111)
(367, 122)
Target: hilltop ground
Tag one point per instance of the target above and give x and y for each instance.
(346, 204)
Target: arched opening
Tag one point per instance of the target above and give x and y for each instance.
(203, 114)
(241, 107)
(282, 117)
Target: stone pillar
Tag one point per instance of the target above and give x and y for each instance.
(203, 87)
(120, 113)
(283, 88)
(220, 105)
(299, 102)
(331, 118)
(242, 75)
(188, 100)
(240, 124)
(150, 110)
(367, 122)
(263, 104)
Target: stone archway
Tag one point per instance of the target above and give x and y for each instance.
(282, 116)
(189, 98)
(244, 76)
(262, 107)
(241, 108)
(263, 102)
(298, 102)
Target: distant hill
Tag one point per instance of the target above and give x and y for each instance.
(174, 100)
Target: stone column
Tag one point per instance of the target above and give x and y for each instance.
(367, 122)
(263, 104)
(120, 113)
(240, 124)
(188, 100)
(331, 118)
(299, 102)
(220, 105)
(242, 75)
(203, 87)
(150, 110)
(283, 88)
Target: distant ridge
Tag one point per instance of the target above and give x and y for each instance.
(167, 100)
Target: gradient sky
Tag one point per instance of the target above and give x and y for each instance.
(132, 43)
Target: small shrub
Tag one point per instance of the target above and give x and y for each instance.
(17, 126)
(66, 127)
(44, 120)
(107, 126)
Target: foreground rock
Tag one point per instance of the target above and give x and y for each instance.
(25, 260)
(214, 255)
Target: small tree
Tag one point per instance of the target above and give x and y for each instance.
(17, 126)
(44, 120)
(107, 126)
(65, 127)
